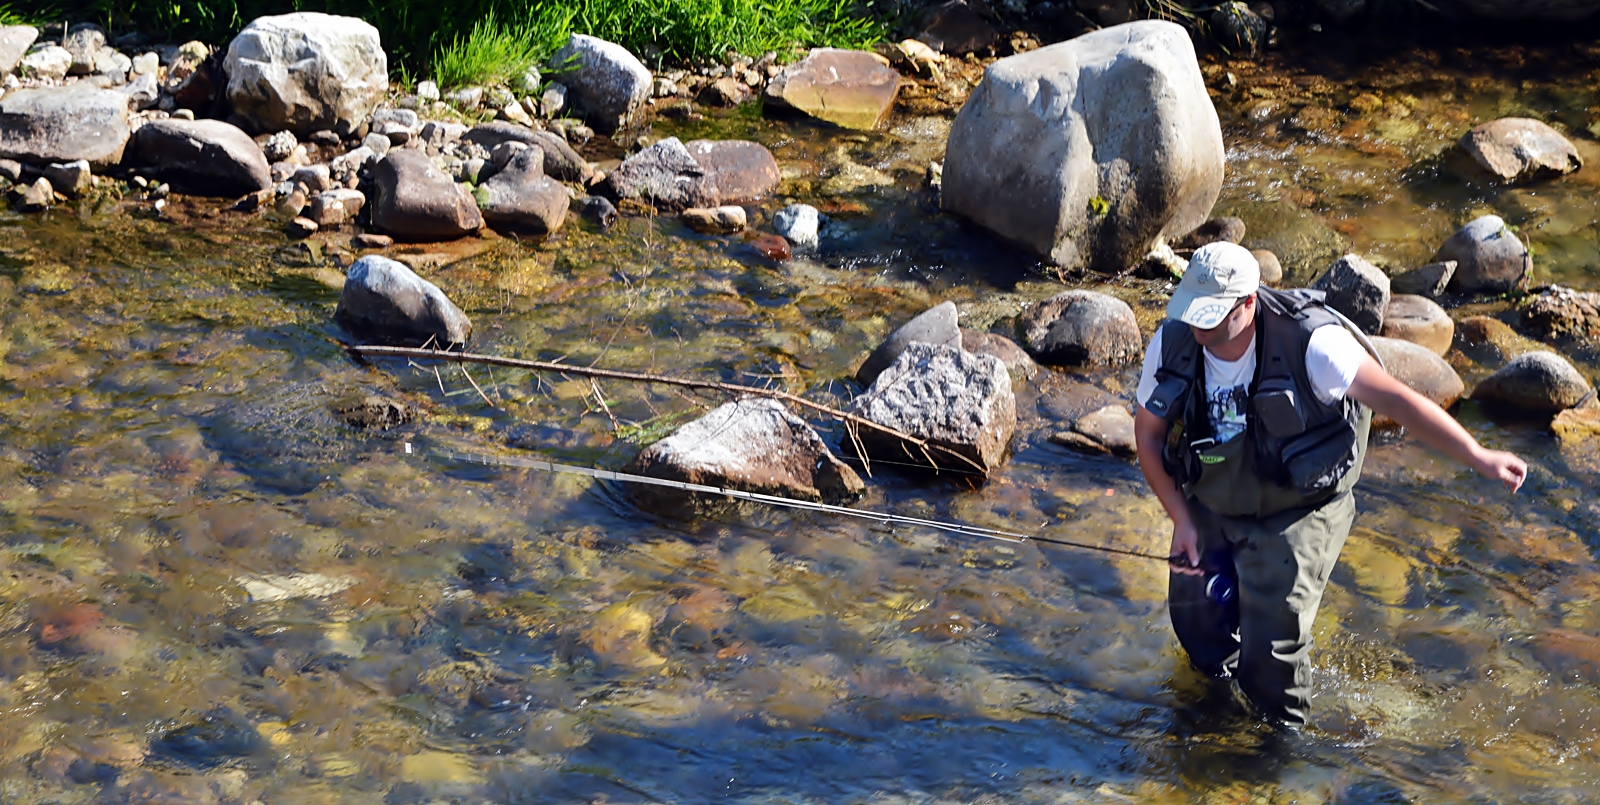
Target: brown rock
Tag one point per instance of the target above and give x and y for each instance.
(302, 228)
(1576, 425)
(724, 220)
(1419, 320)
(1271, 267)
(737, 171)
(1110, 427)
(1419, 369)
(848, 88)
(206, 157)
(772, 247)
(415, 201)
(1571, 656)
(1017, 360)
(1214, 231)
(369, 240)
(1516, 148)
(725, 93)
(1559, 312)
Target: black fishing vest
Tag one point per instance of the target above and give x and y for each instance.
(1310, 450)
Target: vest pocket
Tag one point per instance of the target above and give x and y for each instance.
(1316, 459)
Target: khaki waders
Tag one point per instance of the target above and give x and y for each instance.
(1283, 552)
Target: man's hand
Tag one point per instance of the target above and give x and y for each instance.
(1185, 544)
(1501, 466)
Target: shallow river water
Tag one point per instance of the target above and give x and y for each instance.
(214, 591)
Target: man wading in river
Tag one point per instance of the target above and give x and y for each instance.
(1254, 408)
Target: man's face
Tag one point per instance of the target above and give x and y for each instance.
(1232, 326)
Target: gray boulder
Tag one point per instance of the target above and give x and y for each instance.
(663, 175)
(753, 445)
(961, 403)
(1517, 148)
(306, 71)
(335, 207)
(70, 178)
(142, 92)
(1089, 151)
(1358, 289)
(1538, 383)
(560, 162)
(737, 171)
(384, 302)
(1017, 361)
(1419, 320)
(415, 201)
(799, 224)
(84, 42)
(63, 124)
(852, 89)
(1489, 257)
(1420, 369)
(520, 198)
(14, 43)
(936, 325)
(1429, 280)
(1076, 328)
(50, 63)
(204, 157)
(610, 84)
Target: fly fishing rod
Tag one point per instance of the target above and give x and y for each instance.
(777, 500)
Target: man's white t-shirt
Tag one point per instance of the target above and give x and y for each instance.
(1332, 358)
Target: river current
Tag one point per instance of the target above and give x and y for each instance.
(212, 590)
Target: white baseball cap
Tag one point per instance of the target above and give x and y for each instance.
(1219, 275)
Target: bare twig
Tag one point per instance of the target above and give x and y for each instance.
(641, 377)
(474, 383)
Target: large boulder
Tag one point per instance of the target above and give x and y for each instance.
(1422, 370)
(1516, 148)
(63, 124)
(305, 72)
(1076, 328)
(384, 302)
(1534, 384)
(1489, 257)
(414, 200)
(1419, 320)
(608, 84)
(1358, 289)
(753, 445)
(936, 325)
(961, 403)
(673, 176)
(852, 89)
(561, 162)
(204, 157)
(1090, 151)
(520, 198)
(14, 43)
(1560, 312)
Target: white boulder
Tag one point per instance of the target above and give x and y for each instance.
(306, 71)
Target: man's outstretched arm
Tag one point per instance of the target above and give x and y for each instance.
(1378, 390)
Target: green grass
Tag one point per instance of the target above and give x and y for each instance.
(475, 41)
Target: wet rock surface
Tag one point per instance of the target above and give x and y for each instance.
(1094, 182)
(306, 71)
(1489, 257)
(414, 201)
(936, 325)
(1076, 328)
(1534, 384)
(203, 157)
(384, 302)
(1108, 430)
(961, 403)
(753, 445)
(1517, 148)
(1017, 360)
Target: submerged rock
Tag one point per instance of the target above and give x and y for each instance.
(372, 411)
(306, 71)
(384, 302)
(1487, 339)
(959, 402)
(1421, 370)
(1517, 148)
(1089, 151)
(1358, 289)
(610, 84)
(1534, 384)
(204, 157)
(1419, 320)
(936, 325)
(1489, 257)
(64, 124)
(724, 220)
(520, 198)
(215, 737)
(853, 89)
(752, 445)
(413, 200)
(1076, 328)
(1107, 430)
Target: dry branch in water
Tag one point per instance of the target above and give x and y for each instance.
(645, 377)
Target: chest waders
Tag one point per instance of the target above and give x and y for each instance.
(1271, 505)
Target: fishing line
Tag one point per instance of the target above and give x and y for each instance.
(775, 500)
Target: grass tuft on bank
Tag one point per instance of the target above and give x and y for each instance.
(478, 41)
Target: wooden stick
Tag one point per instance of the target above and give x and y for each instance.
(644, 377)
